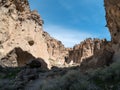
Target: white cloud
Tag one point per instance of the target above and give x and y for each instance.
(69, 37)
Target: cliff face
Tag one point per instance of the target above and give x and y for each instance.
(85, 50)
(56, 50)
(20, 27)
(22, 37)
(112, 8)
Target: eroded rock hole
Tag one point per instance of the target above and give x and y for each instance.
(23, 29)
(31, 42)
(115, 34)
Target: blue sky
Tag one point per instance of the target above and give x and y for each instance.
(72, 21)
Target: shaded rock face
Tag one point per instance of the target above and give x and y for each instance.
(112, 8)
(85, 49)
(37, 63)
(20, 27)
(18, 57)
(57, 51)
(103, 57)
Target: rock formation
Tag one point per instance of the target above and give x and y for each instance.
(101, 58)
(112, 8)
(22, 39)
(85, 49)
(20, 27)
(57, 51)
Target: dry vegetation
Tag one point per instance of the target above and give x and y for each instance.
(107, 78)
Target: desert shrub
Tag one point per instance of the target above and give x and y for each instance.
(73, 80)
(107, 78)
(49, 85)
(70, 78)
(9, 72)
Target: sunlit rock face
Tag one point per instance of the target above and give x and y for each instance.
(112, 8)
(20, 27)
(57, 51)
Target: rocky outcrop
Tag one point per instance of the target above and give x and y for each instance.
(103, 57)
(57, 51)
(112, 8)
(85, 50)
(20, 27)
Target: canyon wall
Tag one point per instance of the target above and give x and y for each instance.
(112, 8)
(22, 39)
(21, 28)
(85, 49)
(57, 51)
